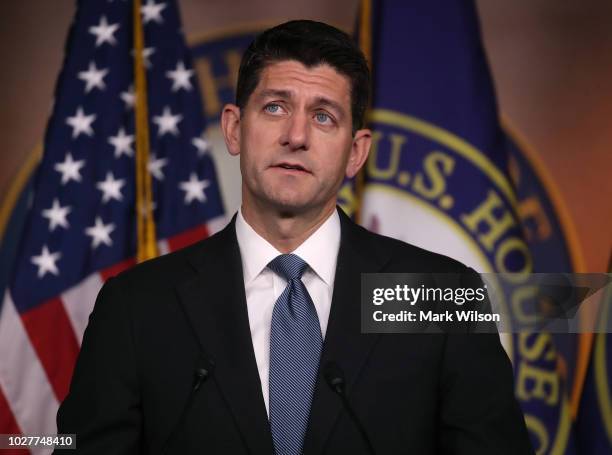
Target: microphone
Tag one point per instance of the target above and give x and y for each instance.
(201, 374)
(335, 379)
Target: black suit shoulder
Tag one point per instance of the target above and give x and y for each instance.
(166, 271)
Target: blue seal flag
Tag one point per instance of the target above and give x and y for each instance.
(438, 176)
(438, 149)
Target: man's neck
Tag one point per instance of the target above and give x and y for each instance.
(285, 231)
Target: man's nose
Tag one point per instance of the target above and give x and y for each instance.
(296, 134)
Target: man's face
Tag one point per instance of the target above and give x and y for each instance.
(294, 138)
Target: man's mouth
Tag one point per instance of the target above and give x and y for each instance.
(292, 166)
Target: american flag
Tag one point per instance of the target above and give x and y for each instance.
(81, 227)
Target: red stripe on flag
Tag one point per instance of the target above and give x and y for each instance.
(15, 451)
(117, 269)
(8, 424)
(54, 341)
(188, 237)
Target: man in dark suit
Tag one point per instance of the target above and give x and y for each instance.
(250, 341)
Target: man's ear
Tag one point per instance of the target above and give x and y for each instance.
(359, 152)
(230, 124)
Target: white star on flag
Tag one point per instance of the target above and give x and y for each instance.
(201, 144)
(100, 233)
(93, 77)
(155, 166)
(152, 12)
(194, 188)
(57, 215)
(104, 32)
(180, 77)
(110, 188)
(122, 143)
(81, 123)
(146, 211)
(146, 53)
(69, 169)
(167, 122)
(129, 97)
(46, 262)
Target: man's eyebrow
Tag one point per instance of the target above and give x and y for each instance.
(273, 93)
(326, 102)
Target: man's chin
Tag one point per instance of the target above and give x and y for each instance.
(292, 206)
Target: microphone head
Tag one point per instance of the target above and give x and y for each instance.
(334, 376)
(201, 373)
(203, 370)
(205, 363)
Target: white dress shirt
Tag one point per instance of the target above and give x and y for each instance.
(263, 287)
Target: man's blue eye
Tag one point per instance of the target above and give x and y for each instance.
(272, 108)
(321, 117)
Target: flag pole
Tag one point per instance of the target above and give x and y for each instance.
(145, 224)
(365, 43)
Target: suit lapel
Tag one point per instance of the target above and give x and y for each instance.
(344, 343)
(215, 305)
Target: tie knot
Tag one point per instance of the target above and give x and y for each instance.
(289, 266)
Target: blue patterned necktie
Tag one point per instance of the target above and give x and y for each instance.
(295, 350)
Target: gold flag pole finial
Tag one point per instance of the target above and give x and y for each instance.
(145, 224)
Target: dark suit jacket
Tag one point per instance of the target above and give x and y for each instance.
(157, 325)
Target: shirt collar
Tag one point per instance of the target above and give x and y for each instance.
(320, 250)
